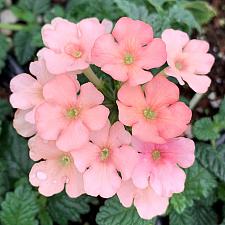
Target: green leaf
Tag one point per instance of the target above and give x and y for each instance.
(222, 108)
(45, 218)
(202, 11)
(15, 152)
(158, 4)
(37, 7)
(199, 184)
(212, 159)
(2, 4)
(4, 50)
(4, 181)
(24, 49)
(223, 223)
(204, 129)
(20, 207)
(64, 209)
(197, 215)
(5, 109)
(113, 213)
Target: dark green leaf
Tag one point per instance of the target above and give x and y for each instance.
(15, 152)
(212, 159)
(158, 4)
(4, 181)
(222, 108)
(45, 218)
(20, 207)
(4, 50)
(64, 209)
(223, 223)
(113, 213)
(5, 109)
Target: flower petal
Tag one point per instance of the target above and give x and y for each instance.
(194, 46)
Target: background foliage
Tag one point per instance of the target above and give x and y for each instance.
(203, 200)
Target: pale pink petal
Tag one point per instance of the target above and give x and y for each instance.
(42, 149)
(132, 96)
(89, 96)
(85, 156)
(100, 137)
(118, 135)
(149, 204)
(27, 92)
(179, 150)
(127, 115)
(126, 193)
(199, 83)
(125, 159)
(73, 136)
(173, 121)
(95, 118)
(108, 25)
(106, 51)
(30, 116)
(50, 120)
(23, 127)
(61, 90)
(74, 183)
(161, 92)
(48, 176)
(167, 179)
(173, 72)
(126, 28)
(138, 76)
(101, 179)
(153, 55)
(59, 33)
(194, 46)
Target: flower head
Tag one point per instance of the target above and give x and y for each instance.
(55, 171)
(159, 164)
(148, 203)
(68, 45)
(67, 117)
(129, 51)
(188, 60)
(155, 114)
(101, 159)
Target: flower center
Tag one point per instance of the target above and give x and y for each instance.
(128, 59)
(104, 154)
(178, 65)
(149, 114)
(156, 155)
(77, 54)
(65, 160)
(72, 113)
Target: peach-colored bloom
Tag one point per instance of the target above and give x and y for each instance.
(102, 159)
(68, 118)
(68, 45)
(158, 165)
(27, 95)
(55, 171)
(129, 52)
(188, 60)
(155, 114)
(148, 203)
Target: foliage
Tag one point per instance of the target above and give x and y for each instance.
(4, 50)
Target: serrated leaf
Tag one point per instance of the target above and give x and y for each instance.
(202, 11)
(20, 207)
(204, 129)
(24, 49)
(199, 183)
(212, 159)
(45, 218)
(113, 213)
(5, 109)
(4, 181)
(14, 151)
(197, 215)
(4, 50)
(64, 209)
(158, 4)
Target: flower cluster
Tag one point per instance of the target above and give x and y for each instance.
(74, 144)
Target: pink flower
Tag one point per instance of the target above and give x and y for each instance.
(129, 52)
(68, 118)
(159, 165)
(55, 171)
(148, 203)
(102, 159)
(27, 95)
(68, 45)
(155, 116)
(188, 60)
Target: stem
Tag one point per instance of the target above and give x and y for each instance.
(8, 26)
(195, 100)
(93, 77)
